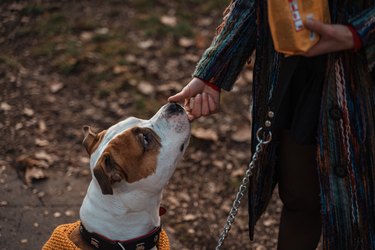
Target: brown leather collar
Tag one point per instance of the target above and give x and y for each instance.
(98, 241)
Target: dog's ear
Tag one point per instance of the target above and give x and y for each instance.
(106, 173)
(91, 139)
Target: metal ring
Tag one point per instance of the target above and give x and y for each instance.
(266, 138)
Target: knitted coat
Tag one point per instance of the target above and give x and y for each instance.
(60, 240)
(346, 132)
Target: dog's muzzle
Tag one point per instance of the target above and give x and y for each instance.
(174, 109)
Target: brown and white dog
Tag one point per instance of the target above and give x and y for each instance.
(131, 163)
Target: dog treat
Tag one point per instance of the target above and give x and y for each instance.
(286, 20)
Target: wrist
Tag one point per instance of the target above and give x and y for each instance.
(212, 85)
(356, 39)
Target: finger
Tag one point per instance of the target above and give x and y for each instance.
(197, 106)
(212, 105)
(313, 25)
(191, 103)
(190, 116)
(319, 27)
(205, 105)
(184, 93)
(187, 104)
(177, 97)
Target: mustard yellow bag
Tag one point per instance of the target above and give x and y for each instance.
(286, 19)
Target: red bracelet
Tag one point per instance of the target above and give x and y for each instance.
(212, 85)
(356, 38)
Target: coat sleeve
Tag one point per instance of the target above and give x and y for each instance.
(222, 62)
(364, 24)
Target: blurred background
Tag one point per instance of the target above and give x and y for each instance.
(65, 64)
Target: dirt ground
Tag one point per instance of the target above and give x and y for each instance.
(65, 64)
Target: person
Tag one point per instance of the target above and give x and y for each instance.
(320, 108)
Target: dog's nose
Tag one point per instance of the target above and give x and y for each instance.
(174, 108)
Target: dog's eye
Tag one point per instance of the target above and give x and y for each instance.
(146, 140)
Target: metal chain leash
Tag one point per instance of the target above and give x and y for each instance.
(263, 139)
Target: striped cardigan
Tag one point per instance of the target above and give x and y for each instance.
(346, 133)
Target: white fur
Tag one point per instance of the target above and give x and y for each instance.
(133, 209)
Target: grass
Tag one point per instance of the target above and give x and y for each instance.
(143, 5)
(32, 10)
(9, 61)
(55, 24)
(95, 78)
(47, 49)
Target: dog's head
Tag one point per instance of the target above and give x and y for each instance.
(138, 153)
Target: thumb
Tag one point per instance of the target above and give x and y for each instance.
(185, 93)
(316, 26)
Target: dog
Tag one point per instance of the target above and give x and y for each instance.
(131, 163)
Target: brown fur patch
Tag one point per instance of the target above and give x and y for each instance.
(130, 156)
(92, 140)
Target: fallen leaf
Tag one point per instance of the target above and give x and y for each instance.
(238, 173)
(205, 134)
(42, 126)
(185, 42)
(86, 36)
(120, 69)
(18, 126)
(170, 21)
(41, 194)
(28, 111)
(131, 58)
(34, 173)
(84, 159)
(226, 206)
(174, 201)
(189, 217)
(25, 19)
(85, 172)
(57, 214)
(184, 196)
(102, 31)
(205, 21)
(41, 142)
(146, 44)
(56, 87)
(191, 58)
(242, 134)
(219, 164)
(260, 247)
(43, 155)
(69, 213)
(24, 162)
(196, 156)
(269, 222)
(5, 106)
(3, 203)
(146, 88)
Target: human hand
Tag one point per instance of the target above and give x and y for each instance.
(199, 99)
(333, 38)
